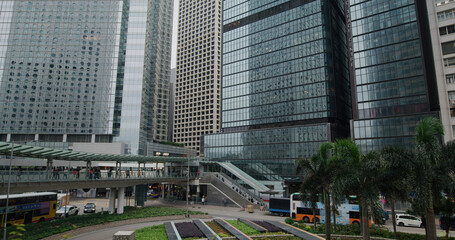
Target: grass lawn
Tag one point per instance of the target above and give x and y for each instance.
(249, 230)
(45, 229)
(218, 229)
(151, 233)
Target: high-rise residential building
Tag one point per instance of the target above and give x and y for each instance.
(198, 82)
(85, 71)
(442, 26)
(393, 71)
(285, 84)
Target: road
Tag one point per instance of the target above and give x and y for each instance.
(416, 230)
(215, 211)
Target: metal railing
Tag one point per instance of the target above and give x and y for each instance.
(70, 176)
(231, 183)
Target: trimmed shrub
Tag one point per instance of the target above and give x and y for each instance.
(289, 221)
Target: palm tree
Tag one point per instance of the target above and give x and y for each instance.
(425, 170)
(359, 176)
(394, 183)
(320, 172)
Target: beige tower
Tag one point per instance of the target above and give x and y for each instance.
(198, 77)
(441, 14)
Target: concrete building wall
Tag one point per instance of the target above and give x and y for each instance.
(445, 72)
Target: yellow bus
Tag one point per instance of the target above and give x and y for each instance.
(28, 207)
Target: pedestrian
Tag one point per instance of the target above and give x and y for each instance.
(109, 173)
(19, 172)
(203, 200)
(127, 173)
(74, 173)
(224, 202)
(65, 173)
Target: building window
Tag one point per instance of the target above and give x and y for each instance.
(449, 62)
(450, 78)
(451, 96)
(446, 15)
(442, 2)
(448, 48)
(447, 30)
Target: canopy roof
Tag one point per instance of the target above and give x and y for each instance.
(21, 150)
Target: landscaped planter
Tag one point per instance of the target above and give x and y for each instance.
(189, 230)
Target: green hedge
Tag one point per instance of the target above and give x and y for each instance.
(375, 231)
(49, 228)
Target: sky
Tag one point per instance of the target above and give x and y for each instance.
(174, 34)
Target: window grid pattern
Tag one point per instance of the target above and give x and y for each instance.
(283, 78)
(389, 72)
(198, 74)
(57, 66)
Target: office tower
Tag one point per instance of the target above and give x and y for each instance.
(85, 71)
(285, 84)
(393, 69)
(198, 82)
(442, 27)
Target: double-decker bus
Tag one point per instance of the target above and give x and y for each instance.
(28, 207)
(348, 211)
(279, 206)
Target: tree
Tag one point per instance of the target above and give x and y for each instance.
(446, 206)
(394, 183)
(426, 170)
(359, 176)
(319, 173)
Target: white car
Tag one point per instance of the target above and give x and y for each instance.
(408, 220)
(66, 211)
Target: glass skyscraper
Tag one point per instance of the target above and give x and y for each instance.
(395, 83)
(285, 84)
(85, 71)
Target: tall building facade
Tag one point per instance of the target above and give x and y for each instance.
(85, 71)
(198, 81)
(393, 71)
(285, 84)
(442, 27)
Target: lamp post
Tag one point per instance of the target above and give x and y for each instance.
(7, 193)
(188, 189)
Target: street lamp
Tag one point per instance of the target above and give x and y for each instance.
(7, 193)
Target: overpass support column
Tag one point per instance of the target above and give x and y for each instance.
(49, 168)
(112, 195)
(121, 200)
(162, 191)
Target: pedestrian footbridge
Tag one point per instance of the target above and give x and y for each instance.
(225, 177)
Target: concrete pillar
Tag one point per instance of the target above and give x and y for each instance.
(49, 169)
(93, 138)
(121, 200)
(8, 137)
(162, 191)
(36, 137)
(112, 195)
(65, 136)
(198, 190)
